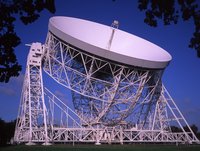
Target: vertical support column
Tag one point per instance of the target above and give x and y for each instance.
(121, 135)
(97, 136)
(31, 124)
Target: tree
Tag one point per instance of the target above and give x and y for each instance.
(170, 11)
(2, 132)
(193, 127)
(7, 130)
(27, 11)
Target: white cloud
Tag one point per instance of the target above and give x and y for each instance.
(13, 87)
(7, 91)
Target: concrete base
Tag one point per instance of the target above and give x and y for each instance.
(30, 144)
(97, 143)
(46, 144)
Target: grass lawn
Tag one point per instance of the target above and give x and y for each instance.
(78, 147)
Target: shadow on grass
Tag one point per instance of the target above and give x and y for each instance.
(86, 147)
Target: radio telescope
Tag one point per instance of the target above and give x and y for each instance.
(116, 88)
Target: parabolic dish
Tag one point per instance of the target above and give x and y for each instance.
(94, 38)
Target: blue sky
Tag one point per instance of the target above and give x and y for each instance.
(181, 77)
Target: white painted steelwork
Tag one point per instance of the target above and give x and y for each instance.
(113, 102)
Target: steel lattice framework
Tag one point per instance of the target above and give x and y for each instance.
(113, 103)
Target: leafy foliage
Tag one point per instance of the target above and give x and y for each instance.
(170, 11)
(6, 131)
(28, 11)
